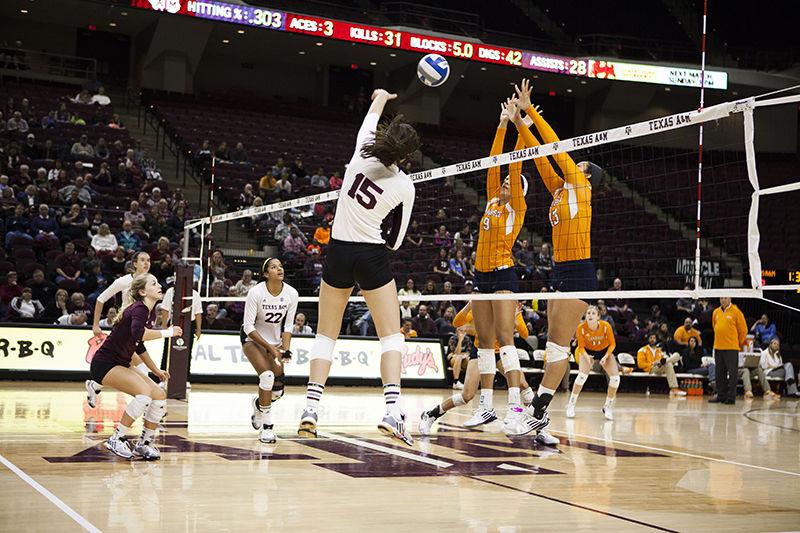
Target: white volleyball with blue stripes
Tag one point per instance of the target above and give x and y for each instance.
(433, 70)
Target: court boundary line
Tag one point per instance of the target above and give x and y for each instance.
(69, 511)
(377, 447)
(664, 450)
(746, 414)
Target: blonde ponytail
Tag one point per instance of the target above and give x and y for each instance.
(138, 284)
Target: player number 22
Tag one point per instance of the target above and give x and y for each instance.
(273, 318)
(364, 191)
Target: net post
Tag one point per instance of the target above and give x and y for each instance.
(179, 348)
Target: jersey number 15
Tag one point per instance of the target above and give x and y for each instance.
(364, 191)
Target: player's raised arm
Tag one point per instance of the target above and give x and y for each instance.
(493, 174)
(370, 123)
(516, 184)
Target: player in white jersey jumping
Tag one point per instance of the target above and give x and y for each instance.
(140, 266)
(266, 337)
(374, 189)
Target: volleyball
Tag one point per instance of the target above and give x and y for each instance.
(433, 70)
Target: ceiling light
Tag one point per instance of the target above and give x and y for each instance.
(123, 13)
(392, 55)
(112, 24)
(302, 52)
(240, 32)
(462, 76)
(225, 41)
(569, 90)
(320, 44)
(583, 82)
(667, 89)
(483, 68)
(23, 11)
(372, 63)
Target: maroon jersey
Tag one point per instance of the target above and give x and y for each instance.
(126, 336)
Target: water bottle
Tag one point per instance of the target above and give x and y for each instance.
(647, 392)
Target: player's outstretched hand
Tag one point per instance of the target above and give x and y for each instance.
(177, 331)
(384, 93)
(524, 94)
(512, 108)
(503, 113)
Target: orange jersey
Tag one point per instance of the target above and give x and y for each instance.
(462, 318)
(570, 213)
(500, 223)
(596, 340)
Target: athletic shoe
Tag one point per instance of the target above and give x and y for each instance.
(480, 417)
(458, 386)
(308, 425)
(257, 416)
(119, 447)
(511, 423)
(748, 395)
(543, 437)
(392, 427)
(146, 451)
(426, 421)
(677, 392)
(570, 410)
(608, 413)
(266, 435)
(529, 423)
(91, 394)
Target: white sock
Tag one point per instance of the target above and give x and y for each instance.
(513, 396)
(391, 394)
(527, 395)
(266, 417)
(121, 431)
(142, 369)
(609, 402)
(573, 398)
(148, 436)
(313, 395)
(95, 385)
(545, 390)
(486, 398)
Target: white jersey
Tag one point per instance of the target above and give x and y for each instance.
(370, 193)
(166, 303)
(121, 284)
(270, 315)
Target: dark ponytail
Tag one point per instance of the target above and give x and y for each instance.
(394, 141)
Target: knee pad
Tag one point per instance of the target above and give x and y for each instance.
(486, 361)
(393, 343)
(277, 390)
(138, 405)
(509, 358)
(142, 369)
(156, 411)
(322, 348)
(458, 400)
(266, 380)
(613, 382)
(555, 352)
(581, 378)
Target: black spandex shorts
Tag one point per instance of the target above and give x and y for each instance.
(474, 355)
(504, 279)
(348, 263)
(574, 276)
(99, 368)
(596, 354)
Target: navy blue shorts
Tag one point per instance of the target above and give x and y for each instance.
(596, 354)
(348, 263)
(574, 276)
(497, 280)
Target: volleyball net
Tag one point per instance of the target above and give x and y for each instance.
(667, 220)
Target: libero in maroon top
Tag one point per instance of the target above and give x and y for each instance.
(126, 336)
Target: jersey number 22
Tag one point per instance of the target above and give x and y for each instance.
(273, 318)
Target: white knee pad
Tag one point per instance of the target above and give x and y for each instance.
(322, 348)
(138, 406)
(393, 343)
(458, 400)
(555, 352)
(142, 369)
(581, 378)
(277, 390)
(613, 382)
(156, 411)
(486, 361)
(266, 380)
(509, 358)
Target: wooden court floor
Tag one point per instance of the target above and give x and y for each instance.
(665, 465)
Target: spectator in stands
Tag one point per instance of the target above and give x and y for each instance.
(684, 333)
(322, 234)
(336, 181)
(28, 198)
(108, 321)
(468, 287)
(58, 306)
(79, 186)
(128, 239)
(9, 290)
(135, 216)
(544, 261)
(284, 228)
(319, 179)
(763, 331)
(82, 148)
(406, 311)
(75, 223)
(94, 225)
(359, 317)
(663, 336)
(203, 154)
(88, 259)
(457, 264)
(300, 327)
(49, 121)
(730, 332)
(102, 150)
(83, 97)
(17, 123)
(118, 265)
(223, 152)
(43, 290)
(116, 122)
(44, 228)
(467, 237)
(11, 157)
(772, 365)
(603, 312)
(73, 319)
(441, 237)
(656, 316)
(212, 320)
(63, 115)
(444, 324)
(104, 240)
(441, 265)
(30, 149)
(24, 178)
(692, 360)
(49, 151)
(652, 360)
(278, 167)
(104, 176)
(243, 286)
(217, 266)
(617, 302)
(423, 323)
(247, 196)
(525, 258)
(7, 202)
(407, 330)
(18, 227)
(298, 170)
(413, 235)
(239, 154)
(4, 184)
(636, 333)
(410, 290)
(68, 265)
(294, 246)
(284, 187)
(95, 281)
(686, 304)
(77, 304)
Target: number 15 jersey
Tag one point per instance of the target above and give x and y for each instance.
(270, 315)
(371, 193)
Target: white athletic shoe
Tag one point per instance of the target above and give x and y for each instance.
(426, 421)
(146, 451)
(266, 435)
(119, 447)
(608, 412)
(308, 424)
(511, 423)
(529, 423)
(480, 417)
(570, 410)
(543, 437)
(257, 416)
(458, 386)
(392, 427)
(91, 394)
